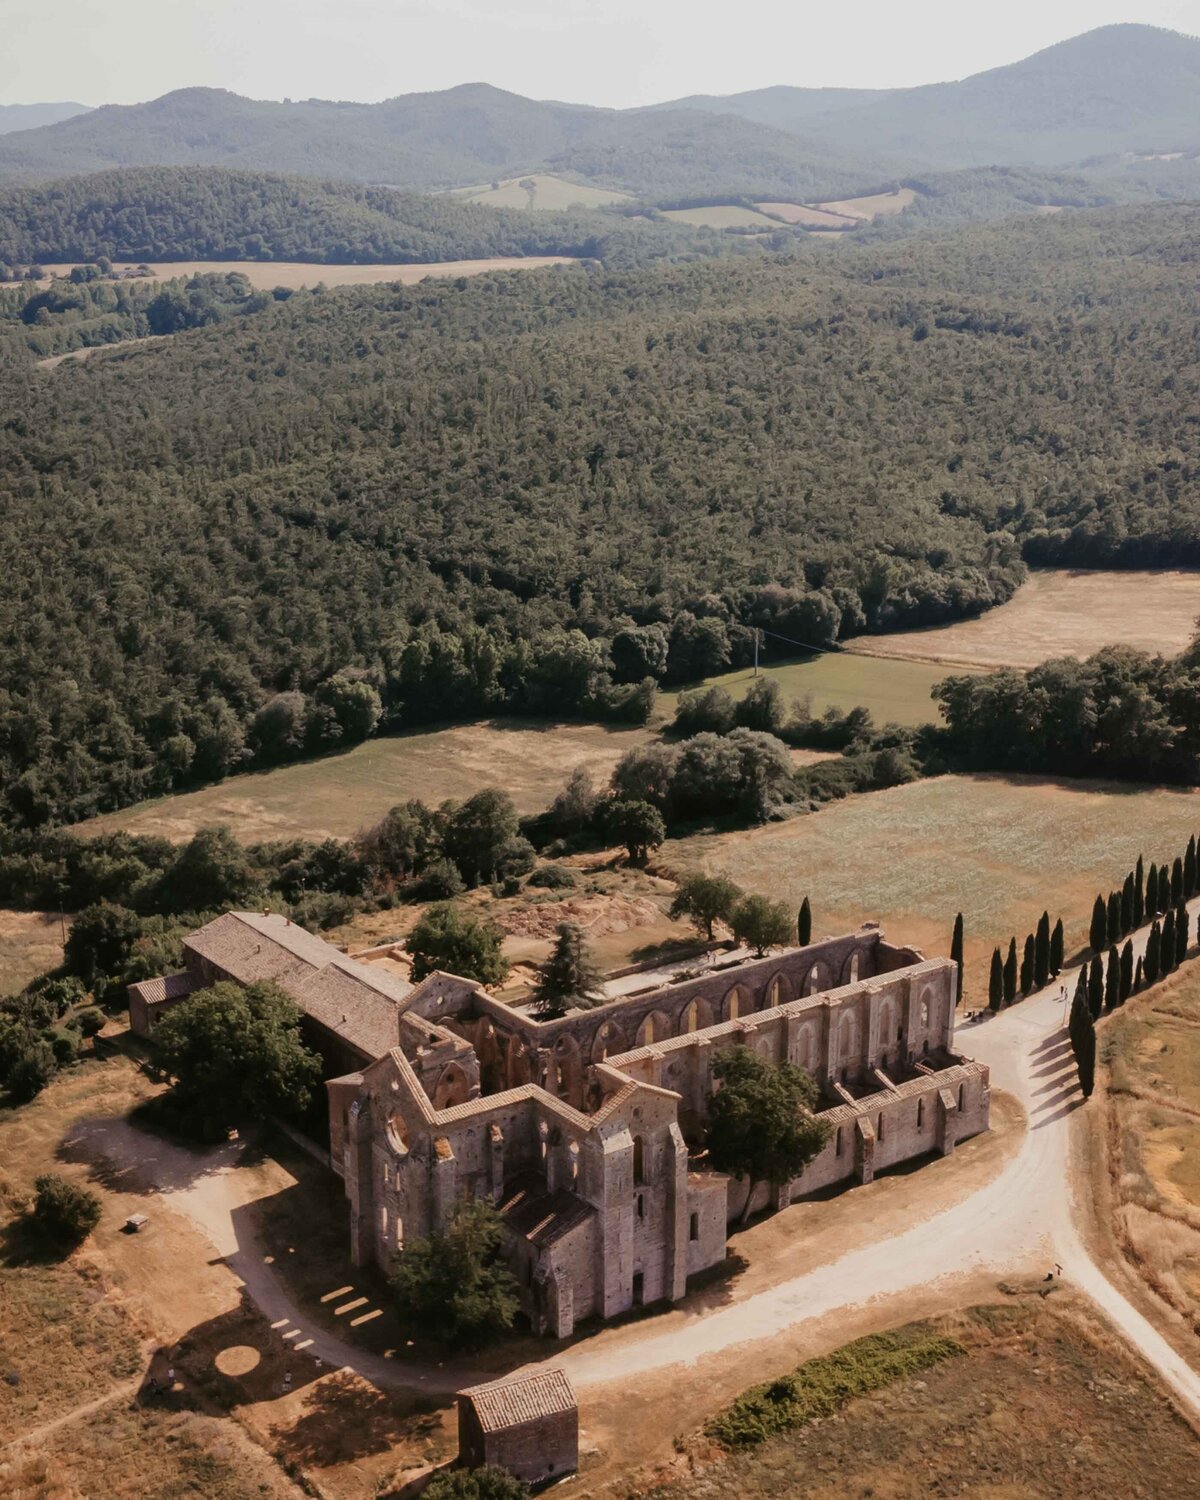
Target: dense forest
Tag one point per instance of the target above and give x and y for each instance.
(206, 213)
(546, 491)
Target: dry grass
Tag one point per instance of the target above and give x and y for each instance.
(1059, 613)
(721, 216)
(272, 273)
(550, 194)
(338, 794)
(810, 218)
(998, 849)
(30, 943)
(875, 206)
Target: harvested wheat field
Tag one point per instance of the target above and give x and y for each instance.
(545, 193)
(30, 943)
(998, 849)
(874, 206)
(267, 274)
(807, 216)
(721, 216)
(337, 795)
(1061, 613)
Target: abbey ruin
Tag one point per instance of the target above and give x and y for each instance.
(587, 1131)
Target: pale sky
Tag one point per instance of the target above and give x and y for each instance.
(614, 52)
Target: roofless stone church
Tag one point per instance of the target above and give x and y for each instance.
(586, 1131)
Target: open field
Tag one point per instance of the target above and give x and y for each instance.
(30, 943)
(549, 195)
(335, 796)
(721, 216)
(806, 215)
(1040, 1402)
(875, 206)
(895, 691)
(1061, 613)
(998, 849)
(272, 273)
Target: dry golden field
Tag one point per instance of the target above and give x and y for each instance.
(809, 217)
(30, 943)
(875, 206)
(721, 216)
(272, 273)
(550, 194)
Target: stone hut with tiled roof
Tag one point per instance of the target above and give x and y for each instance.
(528, 1425)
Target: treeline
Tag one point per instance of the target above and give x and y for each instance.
(1041, 960)
(493, 492)
(209, 213)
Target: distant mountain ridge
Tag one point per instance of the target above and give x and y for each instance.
(32, 116)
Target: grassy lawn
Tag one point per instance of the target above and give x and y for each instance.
(336, 795)
(999, 849)
(30, 943)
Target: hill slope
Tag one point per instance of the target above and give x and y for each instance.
(422, 141)
(1115, 89)
(31, 116)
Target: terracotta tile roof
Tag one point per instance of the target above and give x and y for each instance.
(533, 1213)
(166, 987)
(510, 1403)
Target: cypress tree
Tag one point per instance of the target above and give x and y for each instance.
(1181, 935)
(1098, 933)
(1139, 978)
(1152, 891)
(1085, 1058)
(1126, 972)
(1127, 905)
(1010, 972)
(956, 950)
(1177, 881)
(1166, 948)
(1080, 1027)
(1041, 952)
(1189, 869)
(1112, 980)
(1150, 963)
(1095, 989)
(1027, 965)
(996, 982)
(1139, 894)
(1056, 948)
(1113, 917)
(804, 924)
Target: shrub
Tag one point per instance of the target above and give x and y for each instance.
(64, 1212)
(707, 709)
(554, 878)
(440, 881)
(91, 1020)
(30, 1066)
(488, 1483)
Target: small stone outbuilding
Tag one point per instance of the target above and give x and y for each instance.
(528, 1425)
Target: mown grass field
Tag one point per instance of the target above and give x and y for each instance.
(895, 691)
(874, 206)
(998, 849)
(337, 795)
(550, 194)
(30, 943)
(721, 216)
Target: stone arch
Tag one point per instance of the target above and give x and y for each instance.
(923, 1013)
(764, 1044)
(520, 1069)
(889, 1024)
(697, 1016)
(805, 1050)
(452, 1088)
(931, 1015)
(848, 1034)
(817, 979)
(568, 1062)
(779, 991)
(488, 1051)
(609, 1041)
(397, 1132)
(855, 967)
(736, 1003)
(655, 1027)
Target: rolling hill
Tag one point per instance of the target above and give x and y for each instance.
(427, 141)
(1117, 89)
(31, 116)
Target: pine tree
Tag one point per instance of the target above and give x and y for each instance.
(1112, 980)
(1189, 869)
(956, 950)
(1010, 972)
(996, 982)
(1027, 959)
(1166, 949)
(1177, 881)
(568, 978)
(1150, 964)
(1139, 894)
(1057, 943)
(1098, 934)
(1181, 934)
(1041, 952)
(1127, 905)
(1095, 990)
(804, 924)
(1113, 917)
(1126, 972)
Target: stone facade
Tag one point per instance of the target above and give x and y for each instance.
(529, 1426)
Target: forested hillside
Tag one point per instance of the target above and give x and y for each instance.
(206, 213)
(371, 506)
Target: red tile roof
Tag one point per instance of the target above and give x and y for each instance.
(510, 1403)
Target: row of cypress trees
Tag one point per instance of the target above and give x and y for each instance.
(1041, 961)
(1145, 893)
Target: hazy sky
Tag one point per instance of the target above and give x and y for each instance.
(616, 52)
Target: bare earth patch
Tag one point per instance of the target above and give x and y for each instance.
(1059, 613)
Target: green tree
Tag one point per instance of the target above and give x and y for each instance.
(1166, 951)
(568, 979)
(760, 1121)
(1098, 932)
(448, 938)
(236, 1052)
(402, 843)
(1181, 934)
(996, 982)
(1113, 917)
(101, 941)
(1095, 990)
(956, 950)
(762, 707)
(27, 1061)
(706, 899)
(1027, 965)
(1057, 943)
(477, 832)
(1041, 952)
(1126, 972)
(637, 825)
(705, 710)
(64, 1212)
(1112, 980)
(455, 1287)
(1127, 904)
(1153, 895)
(352, 704)
(1139, 894)
(1139, 979)
(487, 1483)
(1189, 869)
(804, 924)
(761, 923)
(1176, 881)
(1084, 1046)
(1010, 972)
(210, 873)
(1151, 967)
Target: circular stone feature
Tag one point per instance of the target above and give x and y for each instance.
(238, 1359)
